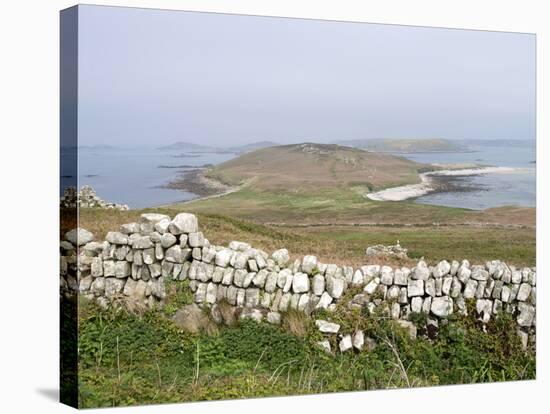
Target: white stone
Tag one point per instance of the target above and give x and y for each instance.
(421, 271)
(274, 318)
(401, 276)
(325, 345)
(79, 236)
(239, 246)
(416, 304)
(345, 343)
(470, 289)
(318, 284)
(116, 237)
(479, 273)
(523, 292)
(183, 223)
(195, 239)
(308, 264)
(386, 275)
(122, 269)
(271, 282)
(327, 327)
(335, 286)
(281, 257)
(442, 306)
(300, 283)
(370, 288)
(358, 340)
(415, 288)
(526, 315)
(370, 272)
(324, 301)
(442, 269)
(167, 240)
(142, 242)
(357, 278)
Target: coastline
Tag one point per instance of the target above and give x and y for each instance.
(432, 182)
(194, 181)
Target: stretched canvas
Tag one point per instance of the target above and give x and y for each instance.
(263, 206)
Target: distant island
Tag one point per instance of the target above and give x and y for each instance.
(406, 146)
(190, 148)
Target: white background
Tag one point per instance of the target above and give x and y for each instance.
(29, 219)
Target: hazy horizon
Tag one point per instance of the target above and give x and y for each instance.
(154, 77)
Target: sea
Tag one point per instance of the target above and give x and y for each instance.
(137, 176)
(517, 188)
(134, 176)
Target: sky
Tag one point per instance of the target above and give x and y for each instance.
(150, 77)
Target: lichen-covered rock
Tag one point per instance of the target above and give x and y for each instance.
(300, 283)
(526, 315)
(386, 275)
(113, 286)
(122, 269)
(442, 306)
(281, 257)
(479, 273)
(142, 242)
(401, 276)
(167, 240)
(116, 237)
(415, 288)
(324, 301)
(308, 264)
(421, 271)
(79, 236)
(523, 292)
(335, 286)
(183, 223)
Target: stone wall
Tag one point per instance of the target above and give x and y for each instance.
(86, 198)
(134, 262)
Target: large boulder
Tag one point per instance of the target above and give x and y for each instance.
(184, 223)
(79, 236)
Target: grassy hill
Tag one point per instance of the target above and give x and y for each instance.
(311, 167)
(406, 145)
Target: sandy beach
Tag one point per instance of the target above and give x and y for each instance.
(429, 183)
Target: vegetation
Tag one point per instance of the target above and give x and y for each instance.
(407, 145)
(346, 244)
(129, 359)
(314, 166)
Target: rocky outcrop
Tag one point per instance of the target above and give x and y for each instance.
(134, 262)
(86, 198)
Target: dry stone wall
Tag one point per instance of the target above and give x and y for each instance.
(134, 262)
(86, 198)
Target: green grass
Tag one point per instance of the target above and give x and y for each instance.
(347, 244)
(127, 359)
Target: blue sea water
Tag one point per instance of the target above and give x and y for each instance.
(517, 188)
(132, 175)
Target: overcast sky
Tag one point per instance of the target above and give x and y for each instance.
(155, 77)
